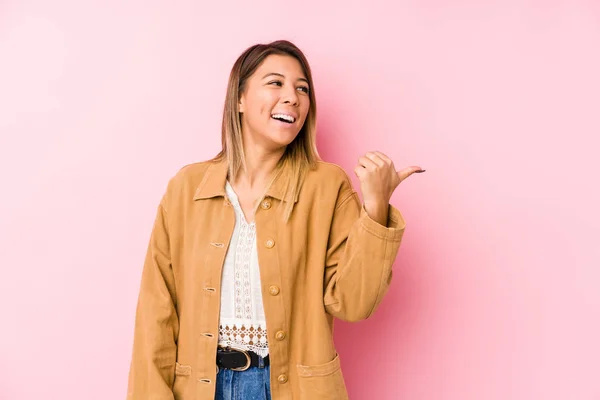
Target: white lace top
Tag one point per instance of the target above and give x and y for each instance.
(242, 323)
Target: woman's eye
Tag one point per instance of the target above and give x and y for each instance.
(304, 89)
(278, 83)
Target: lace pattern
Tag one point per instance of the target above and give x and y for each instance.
(250, 338)
(243, 288)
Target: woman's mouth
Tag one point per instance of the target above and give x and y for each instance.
(284, 118)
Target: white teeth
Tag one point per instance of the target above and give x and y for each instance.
(285, 117)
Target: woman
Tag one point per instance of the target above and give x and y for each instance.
(254, 252)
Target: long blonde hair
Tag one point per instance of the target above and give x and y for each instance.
(301, 155)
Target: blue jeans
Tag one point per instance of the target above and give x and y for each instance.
(251, 384)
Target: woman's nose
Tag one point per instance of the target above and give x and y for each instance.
(290, 97)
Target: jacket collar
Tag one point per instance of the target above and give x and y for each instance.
(213, 184)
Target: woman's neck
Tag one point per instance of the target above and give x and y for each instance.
(259, 168)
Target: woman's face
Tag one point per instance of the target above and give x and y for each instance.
(275, 102)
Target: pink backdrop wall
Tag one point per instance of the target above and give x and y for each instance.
(496, 292)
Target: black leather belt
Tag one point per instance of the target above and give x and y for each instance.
(239, 360)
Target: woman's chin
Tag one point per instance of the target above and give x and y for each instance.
(283, 139)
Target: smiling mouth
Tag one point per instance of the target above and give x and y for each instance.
(284, 118)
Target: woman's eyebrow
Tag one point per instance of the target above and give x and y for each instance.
(283, 76)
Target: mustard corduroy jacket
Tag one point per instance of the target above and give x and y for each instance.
(330, 260)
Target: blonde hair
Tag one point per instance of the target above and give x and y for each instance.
(301, 155)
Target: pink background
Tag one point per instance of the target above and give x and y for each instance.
(496, 292)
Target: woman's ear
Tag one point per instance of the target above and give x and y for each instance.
(240, 106)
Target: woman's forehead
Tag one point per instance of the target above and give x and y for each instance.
(280, 65)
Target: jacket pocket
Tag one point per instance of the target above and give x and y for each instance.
(323, 382)
(182, 384)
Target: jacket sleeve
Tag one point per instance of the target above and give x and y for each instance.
(360, 255)
(152, 368)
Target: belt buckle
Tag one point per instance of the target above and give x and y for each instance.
(248, 359)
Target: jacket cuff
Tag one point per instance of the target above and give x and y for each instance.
(395, 224)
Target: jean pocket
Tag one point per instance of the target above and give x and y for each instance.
(323, 381)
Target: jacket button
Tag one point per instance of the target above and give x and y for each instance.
(265, 205)
(274, 290)
(282, 378)
(270, 243)
(280, 335)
